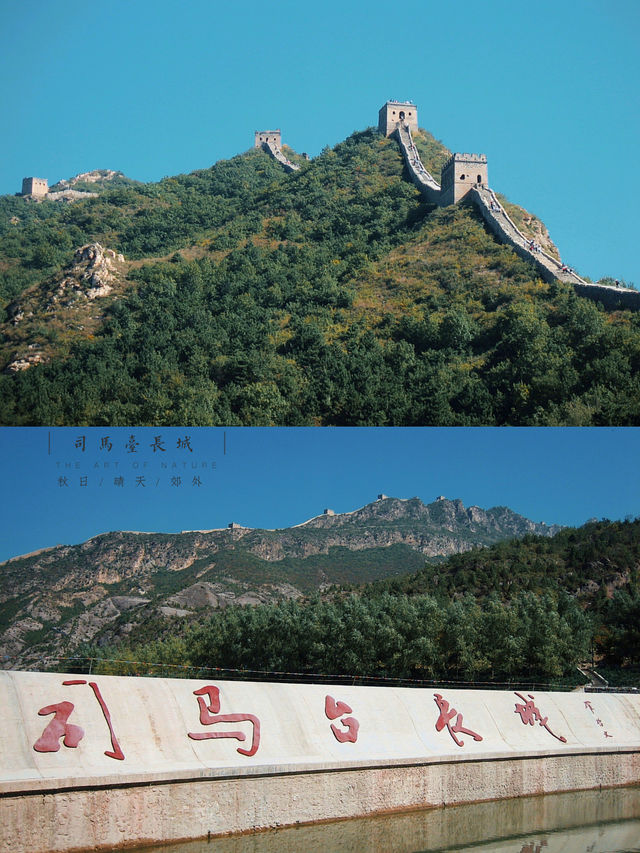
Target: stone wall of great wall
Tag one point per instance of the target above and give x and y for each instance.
(502, 226)
(397, 118)
(425, 182)
(270, 141)
(99, 762)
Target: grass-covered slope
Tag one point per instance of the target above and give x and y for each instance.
(334, 295)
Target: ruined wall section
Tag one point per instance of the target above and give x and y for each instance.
(276, 153)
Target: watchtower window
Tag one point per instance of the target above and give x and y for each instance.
(401, 115)
(462, 177)
(479, 179)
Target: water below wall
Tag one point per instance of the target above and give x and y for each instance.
(606, 821)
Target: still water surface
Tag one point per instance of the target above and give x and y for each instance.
(605, 821)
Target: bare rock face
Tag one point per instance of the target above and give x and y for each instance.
(24, 362)
(92, 274)
(64, 300)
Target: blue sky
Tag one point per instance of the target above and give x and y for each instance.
(548, 90)
(277, 477)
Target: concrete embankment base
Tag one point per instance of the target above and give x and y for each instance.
(118, 817)
(103, 762)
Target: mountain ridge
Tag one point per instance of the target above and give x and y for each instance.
(334, 295)
(102, 587)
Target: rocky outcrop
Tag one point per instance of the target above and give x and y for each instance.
(90, 177)
(91, 275)
(24, 362)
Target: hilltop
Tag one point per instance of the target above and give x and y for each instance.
(105, 588)
(334, 294)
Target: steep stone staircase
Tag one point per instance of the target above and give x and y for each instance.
(425, 182)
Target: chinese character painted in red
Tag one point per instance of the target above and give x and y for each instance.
(209, 715)
(446, 715)
(529, 714)
(49, 740)
(333, 710)
(71, 734)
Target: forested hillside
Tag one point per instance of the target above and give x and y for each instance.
(102, 590)
(521, 610)
(333, 295)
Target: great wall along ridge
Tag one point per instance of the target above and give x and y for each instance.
(465, 176)
(105, 761)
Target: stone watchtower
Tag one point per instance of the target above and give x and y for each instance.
(35, 186)
(460, 174)
(394, 112)
(263, 136)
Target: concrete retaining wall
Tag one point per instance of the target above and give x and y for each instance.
(104, 762)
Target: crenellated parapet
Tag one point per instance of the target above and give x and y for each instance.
(396, 113)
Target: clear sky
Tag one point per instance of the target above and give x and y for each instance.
(59, 486)
(548, 90)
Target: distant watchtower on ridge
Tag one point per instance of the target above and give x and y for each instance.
(263, 136)
(394, 112)
(35, 186)
(461, 173)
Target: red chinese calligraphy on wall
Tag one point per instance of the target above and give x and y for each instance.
(530, 714)
(444, 720)
(49, 740)
(599, 722)
(333, 710)
(59, 727)
(209, 716)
